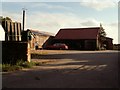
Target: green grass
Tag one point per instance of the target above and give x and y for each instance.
(25, 64)
(8, 67)
(19, 66)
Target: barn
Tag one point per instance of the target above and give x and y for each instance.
(83, 38)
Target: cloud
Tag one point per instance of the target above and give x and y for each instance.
(48, 6)
(14, 16)
(41, 5)
(99, 4)
(52, 22)
(50, 0)
(114, 24)
(112, 31)
(90, 22)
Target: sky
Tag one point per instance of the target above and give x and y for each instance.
(52, 15)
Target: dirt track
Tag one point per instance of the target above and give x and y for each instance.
(68, 69)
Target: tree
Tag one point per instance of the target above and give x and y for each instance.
(102, 34)
(102, 31)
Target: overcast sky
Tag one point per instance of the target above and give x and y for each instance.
(51, 16)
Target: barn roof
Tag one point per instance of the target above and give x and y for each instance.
(78, 33)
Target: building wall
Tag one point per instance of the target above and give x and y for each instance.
(40, 39)
(90, 45)
(13, 51)
(48, 42)
(32, 43)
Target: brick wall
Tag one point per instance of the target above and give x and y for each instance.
(15, 50)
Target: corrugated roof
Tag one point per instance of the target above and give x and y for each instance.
(78, 33)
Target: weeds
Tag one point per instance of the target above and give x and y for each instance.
(18, 66)
(25, 64)
(8, 67)
(39, 63)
